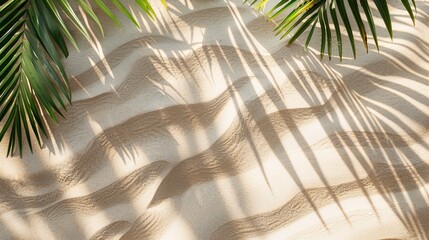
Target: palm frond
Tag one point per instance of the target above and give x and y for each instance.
(301, 14)
(33, 82)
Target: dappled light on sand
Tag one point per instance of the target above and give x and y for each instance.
(203, 125)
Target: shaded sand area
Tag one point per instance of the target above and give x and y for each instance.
(203, 125)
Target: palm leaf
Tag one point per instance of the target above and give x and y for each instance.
(299, 15)
(33, 82)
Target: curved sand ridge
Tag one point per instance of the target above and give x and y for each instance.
(153, 127)
(206, 127)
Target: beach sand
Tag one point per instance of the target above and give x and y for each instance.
(204, 125)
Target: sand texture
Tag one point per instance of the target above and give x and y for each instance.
(203, 125)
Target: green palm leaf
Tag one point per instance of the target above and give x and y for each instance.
(33, 82)
(301, 14)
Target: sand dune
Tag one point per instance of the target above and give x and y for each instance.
(203, 125)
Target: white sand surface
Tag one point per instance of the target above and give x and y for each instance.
(203, 125)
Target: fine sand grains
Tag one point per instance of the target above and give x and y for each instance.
(203, 125)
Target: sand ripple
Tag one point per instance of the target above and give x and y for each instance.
(207, 127)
